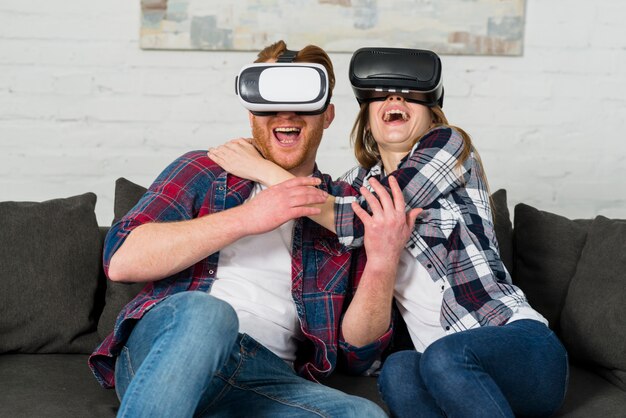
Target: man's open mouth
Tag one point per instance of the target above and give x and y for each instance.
(395, 115)
(287, 135)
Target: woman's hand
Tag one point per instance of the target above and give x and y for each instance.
(389, 227)
(387, 230)
(241, 158)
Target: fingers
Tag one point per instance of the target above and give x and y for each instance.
(300, 181)
(360, 212)
(398, 198)
(411, 217)
(303, 196)
(383, 195)
(303, 211)
(372, 201)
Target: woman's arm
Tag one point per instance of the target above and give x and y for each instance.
(387, 230)
(430, 171)
(240, 158)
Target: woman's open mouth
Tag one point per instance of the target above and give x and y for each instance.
(394, 115)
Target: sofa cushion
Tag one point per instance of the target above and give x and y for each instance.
(593, 322)
(547, 248)
(589, 395)
(503, 227)
(50, 263)
(127, 194)
(52, 385)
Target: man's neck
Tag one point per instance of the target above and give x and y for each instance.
(303, 171)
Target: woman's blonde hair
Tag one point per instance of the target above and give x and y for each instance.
(366, 149)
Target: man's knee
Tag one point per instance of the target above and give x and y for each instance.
(198, 313)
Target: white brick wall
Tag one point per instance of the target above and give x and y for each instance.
(81, 104)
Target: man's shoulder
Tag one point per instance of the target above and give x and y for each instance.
(196, 161)
(198, 157)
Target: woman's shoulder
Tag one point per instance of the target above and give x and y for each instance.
(441, 137)
(352, 174)
(356, 176)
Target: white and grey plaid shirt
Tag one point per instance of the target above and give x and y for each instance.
(454, 238)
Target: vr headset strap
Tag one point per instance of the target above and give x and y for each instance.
(287, 56)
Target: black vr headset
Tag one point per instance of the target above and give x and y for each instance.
(285, 86)
(414, 74)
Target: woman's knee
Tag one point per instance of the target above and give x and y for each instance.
(399, 368)
(441, 358)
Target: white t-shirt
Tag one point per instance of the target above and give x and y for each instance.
(254, 277)
(419, 301)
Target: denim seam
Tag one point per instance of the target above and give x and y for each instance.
(467, 363)
(129, 363)
(226, 379)
(148, 366)
(279, 400)
(230, 382)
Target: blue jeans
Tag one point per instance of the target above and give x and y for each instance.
(186, 358)
(516, 369)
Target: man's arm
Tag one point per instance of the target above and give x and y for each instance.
(386, 232)
(241, 158)
(157, 250)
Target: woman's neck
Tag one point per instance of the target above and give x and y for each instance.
(391, 160)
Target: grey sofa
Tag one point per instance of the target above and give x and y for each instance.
(56, 305)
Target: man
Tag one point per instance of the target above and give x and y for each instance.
(246, 301)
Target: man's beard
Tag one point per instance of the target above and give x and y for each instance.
(263, 140)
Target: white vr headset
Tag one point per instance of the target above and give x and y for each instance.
(267, 88)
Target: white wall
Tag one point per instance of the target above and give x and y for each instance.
(81, 104)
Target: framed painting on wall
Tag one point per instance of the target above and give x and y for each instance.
(471, 27)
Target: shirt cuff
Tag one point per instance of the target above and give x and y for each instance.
(344, 221)
(359, 359)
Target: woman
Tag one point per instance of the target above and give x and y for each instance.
(480, 349)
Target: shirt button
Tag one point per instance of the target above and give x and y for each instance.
(412, 246)
(211, 271)
(429, 266)
(220, 188)
(447, 328)
(442, 287)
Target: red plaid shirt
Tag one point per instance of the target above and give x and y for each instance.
(324, 273)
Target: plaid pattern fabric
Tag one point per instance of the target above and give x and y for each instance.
(324, 273)
(454, 238)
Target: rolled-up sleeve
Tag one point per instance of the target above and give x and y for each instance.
(174, 196)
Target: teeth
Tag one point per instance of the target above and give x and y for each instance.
(287, 130)
(388, 115)
(290, 133)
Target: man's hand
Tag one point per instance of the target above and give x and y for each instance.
(283, 202)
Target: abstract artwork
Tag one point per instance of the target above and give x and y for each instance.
(470, 27)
